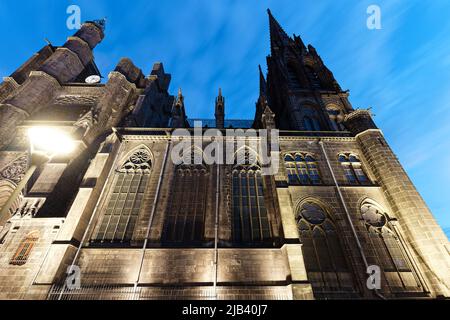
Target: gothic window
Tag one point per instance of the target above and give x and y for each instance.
(313, 77)
(387, 244)
(185, 216)
(386, 241)
(125, 199)
(291, 170)
(336, 117)
(23, 252)
(353, 170)
(302, 169)
(324, 257)
(250, 220)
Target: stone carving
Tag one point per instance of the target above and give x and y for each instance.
(29, 207)
(15, 170)
(87, 120)
(373, 216)
(140, 160)
(88, 100)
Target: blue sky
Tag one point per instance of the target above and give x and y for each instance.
(401, 71)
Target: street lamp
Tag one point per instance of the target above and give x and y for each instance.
(45, 143)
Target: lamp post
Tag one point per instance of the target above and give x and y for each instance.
(45, 143)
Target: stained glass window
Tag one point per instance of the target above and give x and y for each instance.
(353, 170)
(125, 199)
(185, 215)
(250, 220)
(23, 252)
(302, 169)
(322, 252)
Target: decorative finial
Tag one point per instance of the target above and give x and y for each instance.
(267, 110)
(220, 99)
(101, 23)
(179, 101)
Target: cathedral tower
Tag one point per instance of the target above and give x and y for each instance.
(299, 85)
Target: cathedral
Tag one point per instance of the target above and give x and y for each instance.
(117, 219)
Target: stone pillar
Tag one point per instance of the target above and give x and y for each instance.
(63, 66)
(422, 233)
(300, 286)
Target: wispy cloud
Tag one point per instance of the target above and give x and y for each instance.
(399, 70)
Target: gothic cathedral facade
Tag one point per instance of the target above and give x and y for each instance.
(132, 224)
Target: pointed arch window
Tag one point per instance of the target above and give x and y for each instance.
(324, 258)
(302, 169)
(389, 248)
(291, 169)
(125, 199)
(353, 169)
(23, 252)
(186, 212)
(250, 219)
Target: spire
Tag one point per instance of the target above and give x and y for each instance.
(220, 99)
(180, 98)
(101, 23)
(268, 117)
(220, 110)
(278, 36)
(312, 50)
(299, 42)
(262, 82)
(178, 119)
